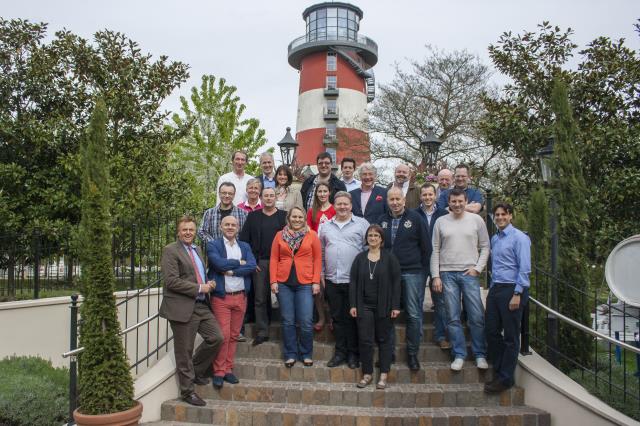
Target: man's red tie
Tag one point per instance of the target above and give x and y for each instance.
(195, 267)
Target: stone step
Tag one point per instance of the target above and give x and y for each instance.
(431, 372)
(326, 335)
(348, 394)
(428, 352)
(242, 413)
(171, 423)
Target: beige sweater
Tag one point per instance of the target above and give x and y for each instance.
(456, 243)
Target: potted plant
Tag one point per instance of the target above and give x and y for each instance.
(105, 384)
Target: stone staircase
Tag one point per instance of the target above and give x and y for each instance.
(271, 394)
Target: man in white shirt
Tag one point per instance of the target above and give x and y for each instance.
(237, 176)
(268, 177)
(348, 167)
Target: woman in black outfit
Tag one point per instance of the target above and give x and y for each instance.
(374, 297)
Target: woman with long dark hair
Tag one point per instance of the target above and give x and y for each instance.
(286, 197)
(374, 297)
(294, 268)
(321, 209)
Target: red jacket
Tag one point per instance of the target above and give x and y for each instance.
(308, 260)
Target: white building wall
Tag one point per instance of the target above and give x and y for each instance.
(352, 110)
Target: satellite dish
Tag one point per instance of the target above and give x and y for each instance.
(622, 271)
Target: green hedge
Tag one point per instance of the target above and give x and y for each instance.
(32, 392)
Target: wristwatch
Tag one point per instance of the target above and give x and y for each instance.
(516, 293)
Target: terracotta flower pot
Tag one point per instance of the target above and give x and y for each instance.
(130, 417)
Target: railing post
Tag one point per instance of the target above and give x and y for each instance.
(524, 331)
(552, 321)
(132, 265)
(73, 363)
(36, 264)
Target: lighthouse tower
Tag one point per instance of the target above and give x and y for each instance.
(336, 83)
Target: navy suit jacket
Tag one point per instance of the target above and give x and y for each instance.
(438, 213)
(219, 264)
(376, 206)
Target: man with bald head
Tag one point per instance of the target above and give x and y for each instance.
(231, 264)
(407, 237)
(445, 179)
(402, 181)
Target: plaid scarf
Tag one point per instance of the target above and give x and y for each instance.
(293, 238)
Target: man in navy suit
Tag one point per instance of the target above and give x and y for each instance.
(370, 200)
(430, 212)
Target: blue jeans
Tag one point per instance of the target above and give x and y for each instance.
(439, 315)
(457, 285)
(413, 298)
(296, 306)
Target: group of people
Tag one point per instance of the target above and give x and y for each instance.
(365, 250)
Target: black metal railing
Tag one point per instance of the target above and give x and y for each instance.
(150, 335)
(37, 265)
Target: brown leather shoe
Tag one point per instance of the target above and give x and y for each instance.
(444, 344)
(194, 399)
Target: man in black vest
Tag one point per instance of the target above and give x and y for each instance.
(259, 231)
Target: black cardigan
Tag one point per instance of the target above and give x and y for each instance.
(389, 290)
(252, 230)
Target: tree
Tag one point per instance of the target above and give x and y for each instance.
(217, 128)
(604, 93)
(573, 222)
(106, 385)
(445, 91)
(47, 93)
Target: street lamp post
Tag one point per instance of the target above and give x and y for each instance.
(288, 147)
(430, 146)
(545, 156)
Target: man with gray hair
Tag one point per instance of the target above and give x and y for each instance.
(445, 179)
(342, 239)
(268, 176)
(370, 200)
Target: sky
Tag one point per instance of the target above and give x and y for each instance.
(246, 41)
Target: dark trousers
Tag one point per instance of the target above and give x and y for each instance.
(502, 330)
(184, 335)
(371, 327)
(262, 298)
(345, 328)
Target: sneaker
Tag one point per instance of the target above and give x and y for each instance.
(481, 363)
(241, 338)
(457, 364)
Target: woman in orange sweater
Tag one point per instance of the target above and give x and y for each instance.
(294, 268)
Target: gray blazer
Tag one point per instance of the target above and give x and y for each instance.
(180, 283)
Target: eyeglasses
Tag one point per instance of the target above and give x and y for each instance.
(230, 194)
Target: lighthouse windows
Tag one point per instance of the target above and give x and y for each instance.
(332, 63)
(332, 81)
(332, 23)
(332, 106)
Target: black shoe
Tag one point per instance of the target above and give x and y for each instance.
(231, 378)
(194, 399)
(201, 381)
(412, 362)
(259, 340)
(495, 386)
(353, 362)
(336, 361)
(218, 382)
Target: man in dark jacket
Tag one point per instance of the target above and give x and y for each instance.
(429, 212)
(259, 231)
(407, 237)
(370, 200)
(323, 161)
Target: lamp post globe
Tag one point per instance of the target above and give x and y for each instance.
(288, 147)
(545, 156)
(430, 146)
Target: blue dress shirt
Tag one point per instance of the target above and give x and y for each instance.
(511, 258)
(192, 249)
(473, 196)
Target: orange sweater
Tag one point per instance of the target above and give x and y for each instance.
(308, 260)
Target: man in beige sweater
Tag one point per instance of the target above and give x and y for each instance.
(460, 252)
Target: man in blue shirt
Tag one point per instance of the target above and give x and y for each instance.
(510, 266)
(461, 178)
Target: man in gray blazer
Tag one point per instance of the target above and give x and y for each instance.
(187, 306)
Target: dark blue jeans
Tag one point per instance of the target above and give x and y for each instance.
(502, 328)
(439, 314)
(296, 306)
(413, 287)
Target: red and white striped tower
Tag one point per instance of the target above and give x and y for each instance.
(336, 83)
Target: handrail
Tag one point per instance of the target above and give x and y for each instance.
(584, 328)
(122, 333)
(138, 292)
